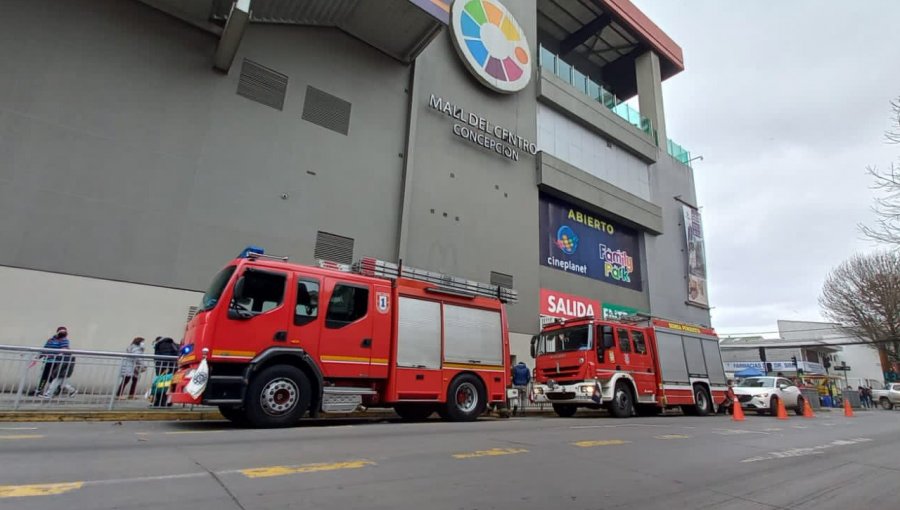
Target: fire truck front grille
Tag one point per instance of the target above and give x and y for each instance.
(563, 373)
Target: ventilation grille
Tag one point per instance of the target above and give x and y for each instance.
(261, 84)
(192, 311)
(334, 248)
(501, 280)
(323, 109)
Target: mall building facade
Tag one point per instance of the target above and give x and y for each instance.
(143, 144)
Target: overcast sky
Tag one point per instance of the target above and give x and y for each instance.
(788, 103)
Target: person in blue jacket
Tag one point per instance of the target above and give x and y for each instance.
(521, 376)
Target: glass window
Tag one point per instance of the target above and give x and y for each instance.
(347, 304)
(624, 343)
(564, 71)
(640, 347)
(307, 308)
(576, 338)
(262, 291)
(212, 295)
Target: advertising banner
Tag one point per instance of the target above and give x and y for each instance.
(586, 244)
(567, 306)
(696, 251)
(614, 311)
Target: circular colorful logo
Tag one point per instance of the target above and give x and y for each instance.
(567, 239)
(492, 44)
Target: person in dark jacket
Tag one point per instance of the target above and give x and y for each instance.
(521, 376)
(56, 342)
(164, 346)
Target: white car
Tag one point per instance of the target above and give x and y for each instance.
(762, 394)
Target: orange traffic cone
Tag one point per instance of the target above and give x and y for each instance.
(737, 412)
(782, 412)
(807, 409)
(848, 411)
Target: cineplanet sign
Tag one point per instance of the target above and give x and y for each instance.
(478, 130)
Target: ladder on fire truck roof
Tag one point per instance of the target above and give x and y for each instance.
(444, 283)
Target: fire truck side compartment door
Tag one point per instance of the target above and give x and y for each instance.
(418, 349)
(472, 336)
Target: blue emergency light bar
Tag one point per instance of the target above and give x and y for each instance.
(255, 250)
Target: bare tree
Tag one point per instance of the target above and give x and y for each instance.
(863, 295)
(887, 184)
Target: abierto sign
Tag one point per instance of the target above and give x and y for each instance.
(586, 244)
(567, 306)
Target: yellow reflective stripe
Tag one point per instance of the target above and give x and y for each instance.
(473, 366)
(344, 358)
(234, 354)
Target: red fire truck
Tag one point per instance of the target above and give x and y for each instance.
(638, 366)
(281, 340)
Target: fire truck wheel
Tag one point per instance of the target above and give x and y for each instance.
(234, 414)
(414, 412)
(466, 398)
(565, 410)
(622, 404)
(278, 397)
(703, 404)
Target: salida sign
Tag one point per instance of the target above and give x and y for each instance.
(567, 306)
(579, 242)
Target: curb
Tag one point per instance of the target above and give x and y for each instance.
(62, 416)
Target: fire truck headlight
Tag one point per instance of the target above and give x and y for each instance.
(539, 391)
(587, 390)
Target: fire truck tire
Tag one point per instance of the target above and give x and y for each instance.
(703, 404)
(466, 398)
(234, 414)
(277, 397)
(622, 404)
(414, 412)
(565, 410)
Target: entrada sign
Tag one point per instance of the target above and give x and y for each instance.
(480, 131)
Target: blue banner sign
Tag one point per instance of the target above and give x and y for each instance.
(587, 244)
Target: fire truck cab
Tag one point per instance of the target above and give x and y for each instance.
(639, 366)
(281, 340)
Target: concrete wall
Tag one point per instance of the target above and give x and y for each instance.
(123, 155)
(666, 253)
(472, 211)
(100, 314)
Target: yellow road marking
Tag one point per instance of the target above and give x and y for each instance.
(264, 472)
(42, 489)
(21, 436)
(493, 452)
(605, 442)
(672, 436)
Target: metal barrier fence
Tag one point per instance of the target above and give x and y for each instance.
(33, 379)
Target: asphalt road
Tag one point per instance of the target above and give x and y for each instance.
(590, 462)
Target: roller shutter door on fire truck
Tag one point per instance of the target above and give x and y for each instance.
(472, 336)
(419, 333)
(682, 357)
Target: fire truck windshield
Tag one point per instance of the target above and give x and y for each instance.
(216, 288)
(577, 338)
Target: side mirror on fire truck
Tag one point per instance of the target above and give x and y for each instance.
(534, 345)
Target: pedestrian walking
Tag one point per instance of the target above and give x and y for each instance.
(56, 342)
(131, 368)
(164, 346)
(59, 375)
(521, 376)
(862, 396)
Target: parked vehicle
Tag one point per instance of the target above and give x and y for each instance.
(282, 340)
(887, 397)
(763, 393)
(628, 366)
